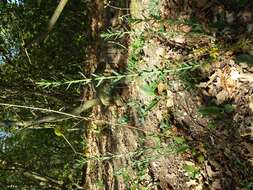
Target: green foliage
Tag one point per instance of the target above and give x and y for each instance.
(191, 170)
(148, 90)
(214, 110)
(228, 108)
(135, 50)
(210, 110)
(181, 144)
(248, 184)
(100, 184)
(99, 79)
(245, 58)
(189, 73)
(154, 9)
(124, 173)
(115, 35)
(179, 140)
(211, 125)
(37, 151)
(151, 105)
(239, 3)
(52, 55)
(37, 72)
(165, 125)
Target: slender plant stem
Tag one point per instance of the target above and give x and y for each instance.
(114, 7)
(116, 77)
(45, 110)
(71, 146)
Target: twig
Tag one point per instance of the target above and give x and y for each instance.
(52, 21)
(116, 43)
(74, 150)
(45, 110)
(114, 7)
(26, 52)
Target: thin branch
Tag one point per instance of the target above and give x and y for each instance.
(116, 43)
(51, 24)
(26, 52)
(114, 7)
(186, 65)
(41, 178)
(45, 110)
(71, 146)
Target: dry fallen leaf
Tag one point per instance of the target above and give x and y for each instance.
(161, 87)
(179, 39)
(169, 102)
(191, 183)
(246, 15)
(216, 185)
(222, 96)
(210, 173)
(185, 28)
(226, 79)
(246, 77)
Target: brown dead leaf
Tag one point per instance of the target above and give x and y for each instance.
(216, 185)
(210, 173)
(246, 15)
(226, 80)
(169, 102)
(222, 96)
(179, 39)
(185, 28)
(192, 183)
(161, 87)
(246, 77)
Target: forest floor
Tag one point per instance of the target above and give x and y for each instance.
(186, 119)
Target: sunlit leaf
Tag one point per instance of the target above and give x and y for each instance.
(58, 131)
(191, 170)
(148, 90)
(179, 140)
(201, 158)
